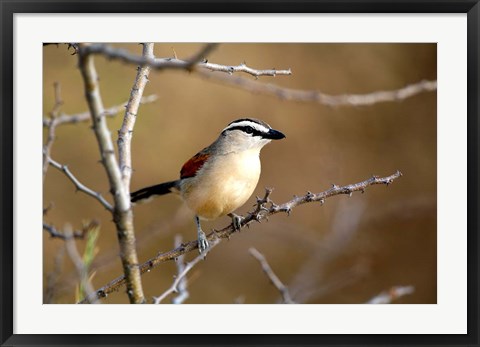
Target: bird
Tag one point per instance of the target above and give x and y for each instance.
(221, 177)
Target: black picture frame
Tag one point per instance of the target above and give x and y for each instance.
(9, 8)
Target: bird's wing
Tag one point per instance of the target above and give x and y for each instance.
(190, 168)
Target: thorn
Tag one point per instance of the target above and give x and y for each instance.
(309, 196)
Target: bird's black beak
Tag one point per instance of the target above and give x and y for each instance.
(274, 135)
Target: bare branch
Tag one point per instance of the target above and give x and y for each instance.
(122, 213)
(182, 284)
(272, 276)
(81, 187)
(392, 294)
(61, 235)
(180, 277)
(174, 63)
(86, 116)
(125, 133)
(260, 212)
(52, 277)
(79, 265)
(51, 127)
(244, 68)
(289, 94)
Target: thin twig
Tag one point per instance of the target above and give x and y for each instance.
(260, 212)
(61, 235)
(174, 63)
(244, 68)
(81, 187)
(122, 213)
(86, 116)
(317, 96)
(182, 284)
(51, 127)
(303, 286)
(179, 278)
(287, 299)
(79, 265)
(124, 141)
(392, 294)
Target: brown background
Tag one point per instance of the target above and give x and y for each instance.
(346, 251)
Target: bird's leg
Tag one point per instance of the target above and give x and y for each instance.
(202, 238)
(236, 221)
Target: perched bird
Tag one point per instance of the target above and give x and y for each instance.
(221, 177)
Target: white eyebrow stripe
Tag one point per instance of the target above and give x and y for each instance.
(246, 123)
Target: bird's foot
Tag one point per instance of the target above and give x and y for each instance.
(202, 242)
(236, 221)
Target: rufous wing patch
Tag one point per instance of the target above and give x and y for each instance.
(190, 168)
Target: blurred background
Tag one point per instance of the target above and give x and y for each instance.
(346, 251)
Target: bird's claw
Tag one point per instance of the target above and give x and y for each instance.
(236, 221)
(203, 244)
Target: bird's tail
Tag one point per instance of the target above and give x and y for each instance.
(148, 192)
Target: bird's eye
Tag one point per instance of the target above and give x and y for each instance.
(248, 130)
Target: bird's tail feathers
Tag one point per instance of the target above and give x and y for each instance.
(148, 192)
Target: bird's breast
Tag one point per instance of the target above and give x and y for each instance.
(223, 185)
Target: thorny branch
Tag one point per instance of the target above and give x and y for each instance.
(81, 187)
(182, 293)
(260, 212)
(204, 68)
(174, 288)
(51, 124)
(77, 234)
(287, 299)
(174, 63)
(320, 97)
(125, 133)
(86, 116)
(122, 213)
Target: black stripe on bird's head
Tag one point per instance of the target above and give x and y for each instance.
(253, 127)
